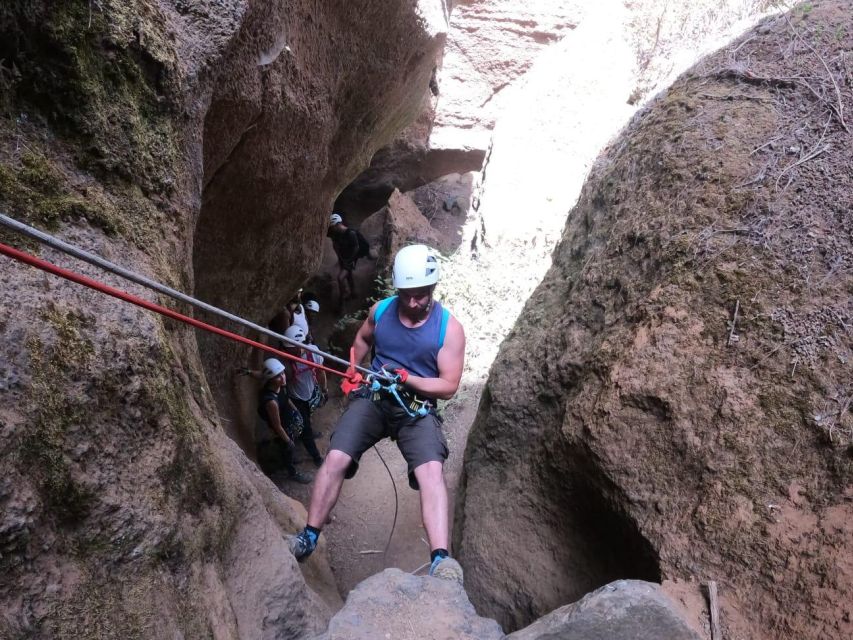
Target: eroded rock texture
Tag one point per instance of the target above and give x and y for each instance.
(395, 604)
(622, 609)
(491, 44)
(627, 430)
(201, 144)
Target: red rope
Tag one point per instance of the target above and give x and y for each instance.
(44, 265)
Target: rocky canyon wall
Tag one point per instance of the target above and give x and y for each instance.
(674, 400)
(200, 144)
(490, 45)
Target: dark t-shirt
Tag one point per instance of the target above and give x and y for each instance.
(285, 412)
(346, 245)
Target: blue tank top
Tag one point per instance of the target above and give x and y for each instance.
(415, 350)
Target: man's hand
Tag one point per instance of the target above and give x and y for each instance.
(401, 375)
(352, 382)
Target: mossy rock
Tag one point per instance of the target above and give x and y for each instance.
(100, 74)
(37, 191)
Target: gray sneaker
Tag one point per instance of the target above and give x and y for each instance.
(446, 568)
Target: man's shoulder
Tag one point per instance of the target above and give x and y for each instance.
(451, 327)
(446, 312)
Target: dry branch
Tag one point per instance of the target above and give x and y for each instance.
(714, 608)
(813, 154)
(734, 323)
(838, 107)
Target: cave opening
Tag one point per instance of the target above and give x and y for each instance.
(594, 540)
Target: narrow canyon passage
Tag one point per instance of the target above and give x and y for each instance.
(641, 215)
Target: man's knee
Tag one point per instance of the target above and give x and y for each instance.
(430, 474)
(337, 462)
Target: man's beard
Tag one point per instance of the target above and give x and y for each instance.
(419, 313)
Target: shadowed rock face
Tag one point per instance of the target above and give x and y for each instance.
(202, 144)
(285, 133)
(626, 428)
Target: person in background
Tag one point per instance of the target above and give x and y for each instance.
(302, 385)
(293, 313)
(312, 312)
(298, 318)
(346, 246)
(282, 417)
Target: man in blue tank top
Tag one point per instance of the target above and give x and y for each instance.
(412, 335)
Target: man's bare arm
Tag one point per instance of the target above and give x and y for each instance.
(364, 338)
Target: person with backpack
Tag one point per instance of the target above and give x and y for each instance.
(282, 418)
(302, 386)
(349, 245)
(412, 337)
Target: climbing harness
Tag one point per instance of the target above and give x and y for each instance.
(98, 261)
(414, 406)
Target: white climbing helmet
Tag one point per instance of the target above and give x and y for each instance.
(296, 333)
(312, 305)
(272, 368)
(335, 218)
(414, 266)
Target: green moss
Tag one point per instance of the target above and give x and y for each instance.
(42, 450)
(101, 75)
(99, 608)
(193, 477)
(36, 191)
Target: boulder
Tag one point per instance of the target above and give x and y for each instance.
(396, 604)
(404, 225)
(622, 609)
(673, 402)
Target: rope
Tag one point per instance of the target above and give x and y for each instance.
(98, 261)
(49, 267)
(396, 501)
(90, 258)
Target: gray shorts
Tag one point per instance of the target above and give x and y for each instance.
(365, 423)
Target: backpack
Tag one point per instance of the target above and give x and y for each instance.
(363, 245)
